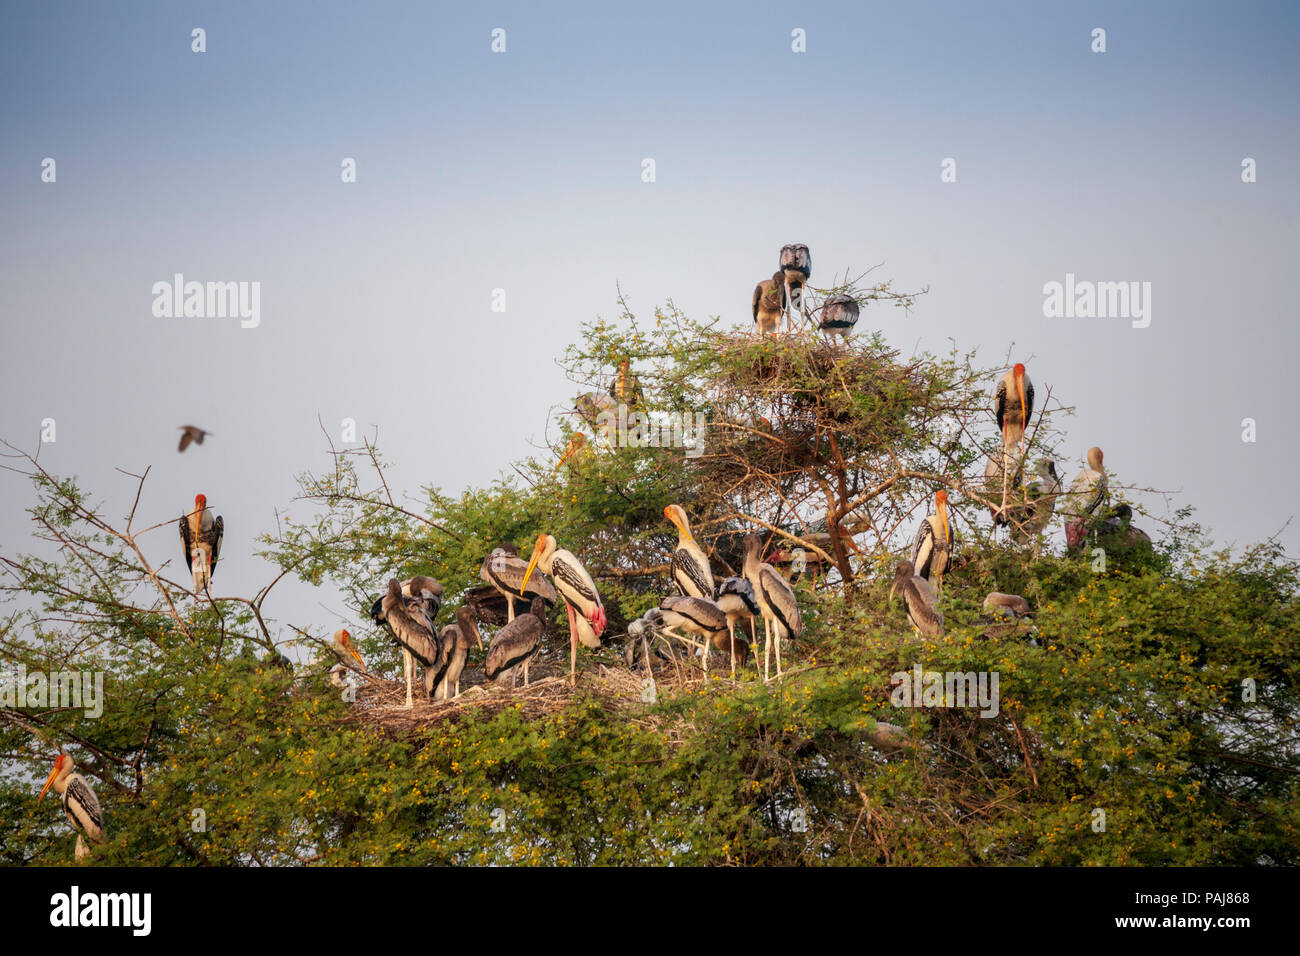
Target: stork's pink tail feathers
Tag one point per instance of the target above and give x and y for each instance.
(597, 619)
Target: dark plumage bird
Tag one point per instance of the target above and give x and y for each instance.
(796, 269)
(695, 615)
(737, 601)
(918, 598)
(408, 610)
(504, 570)
(444, 681)
(515, 645)
(839, 314)
(80, 805)
(192, 433)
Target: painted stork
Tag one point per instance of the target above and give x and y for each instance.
(769, 304)
(694, 615)
(919, 599)
(598, 410)
(690, 565)
(346, 652)
(201, 538)
(1004, 614)
(932, 547)
(796, 268)
(1117, 529)
(408, 610)
(577, 446)
(776, 602)
(1014, 405)
(581, 599)
(455, 639)
(515, 645)
(839, 314)
(1084, 499)
(192, 433)
(504, 570)
(1040, 493)
(626, 387)
(80, 805)
(737, 601)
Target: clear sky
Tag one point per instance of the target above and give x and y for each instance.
(522, 171)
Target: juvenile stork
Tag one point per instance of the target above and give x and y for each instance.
(1004, 615)
(694, 615)
(1014, 405)
(932, 546)
(408, 610)
(505, 570)
(796, 268)
(776, 602)
(1040, 492)
(347, 653)
(598, 410)
(581, 599)
(201, 538)
(515, 645)
(1084, 499)
(737, 601)
(839, 314)
(80, 805)
(919, 599)
(455, 639)
(690, 565)
(769, 304)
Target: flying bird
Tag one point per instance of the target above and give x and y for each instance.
(192, 433)
(769, 304)
(690, 565)
(505, 570)
(581, 599)
(776, 603)
(515, 646)
(201, 539)
(796, 268)
(839, 314)
(932, 547)
(1083, 501)
(444, 681)
(407, 610)
(918, 597)
(737, 601)
(80, 805)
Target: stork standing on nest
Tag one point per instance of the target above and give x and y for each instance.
(776, 602)
(407, 610)
(769, 304)
(201, 538)
(682, 614)
(690, 565)
(918, 597)
(796, 268)
(515, 645)
(347, 653)
(737, 601)
(581, 599)
(80, 805)
(839, 314)
(505, 570)
(455, 639)
(1085, 498)
(932, 547)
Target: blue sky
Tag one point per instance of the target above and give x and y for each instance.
(522, 171)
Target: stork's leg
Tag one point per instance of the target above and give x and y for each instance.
(778, 654)
(789, 308)
(731, 633)
(767, 649)
(408, 668)
(645, 654)
(510, 608)
(707, 642)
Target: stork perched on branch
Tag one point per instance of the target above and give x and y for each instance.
(796, 268)
(201, 538)
(690, 565)
(505, 570)
(407, 610)
(918, 597)
(694, 615)
(80, 805)
(347, 653)
(455, 639)
(581, 599)
(1040, 495)
(932, 547)
(776, 602)
(1014, 405)
(1004, 614)
(1085, 498)
(839, 314)
(769, 304)
(515, 645)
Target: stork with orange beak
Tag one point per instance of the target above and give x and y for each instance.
(690, 566)
(201, 538)
(932, 546)
(80, 804)
(1014, 405)
(347, 652)
(577, 446)
(581, 599)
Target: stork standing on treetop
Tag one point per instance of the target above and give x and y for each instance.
(504, 570)
(796, 268)
(407, 610)
(769, 304)
(201, 538)
(690, 565)
(737, 600)
(80, 804)
(776, 602)
(932, 547)
(1084, 499)
(1013, 406)
(346, 652)
(581, 599)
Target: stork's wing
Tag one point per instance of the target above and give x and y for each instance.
(684, 563)
(780, 598)
(185, 441)
(186, 541)
(923, 548)
(218, 529)
(758, 296)
(82, 807)
(576, 580)
(1029, 401)
(1000, 403)
(920, 612)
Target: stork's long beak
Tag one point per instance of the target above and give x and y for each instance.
(1020, 389)
(569, 452)
(943, 516)
(537, 553)
(48, 783)
(893, 587)
(357, 654)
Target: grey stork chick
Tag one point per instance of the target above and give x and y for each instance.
(405, 610)
(1117, 530)
(694, 615)
(80, 805)
(737, 600)
(1013, 405)
(515, 645)
(504, 570)
(201, 538)
(1040, 495)
(192, 433)
(690, 565)
(776, 603)
(918, 597)
(769, 304)
(796, 269)
(839, 314)
(932, 548)
(455, 639)
(1006, 615)
(1084, 500)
